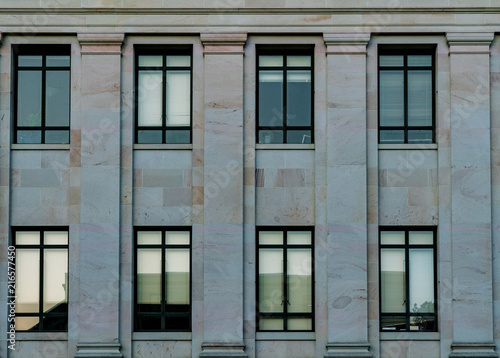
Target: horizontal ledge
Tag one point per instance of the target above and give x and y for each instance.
(432, 146)
(163, 146)
(40, 147)
(285, 336)
(410, 336)
(41, 336)
(285, 146)
(161, 336)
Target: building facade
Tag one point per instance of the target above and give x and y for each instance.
(247, 178)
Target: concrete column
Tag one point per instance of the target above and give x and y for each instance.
(223, 193)
(471, 195)
(347, 195)
(98, 316)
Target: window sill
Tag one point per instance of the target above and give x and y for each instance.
(161, 336)
(163, 146)
(285, 336)
(410, 336)
(41, 336)
(285, 146)
(40, 147)
(430, 146)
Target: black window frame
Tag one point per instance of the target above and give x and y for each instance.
(407, 247)
(164, 51)
(285, 315)
(44, 51)
(41, 248)
(285, 51)
(163, 314)
(405, 51)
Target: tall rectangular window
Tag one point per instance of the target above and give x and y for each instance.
(406, 96)
(41, 268)
(42, 92)
(163, 279)
(163, 81)
(285, 279)
(408, 300)
(285, 95)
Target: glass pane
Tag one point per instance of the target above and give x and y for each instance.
(179, 61)
(271, 324)
(29, 61)
(150, 98)
(298, 61)
(299, 238)
(149, 237)
(28, 238)
(392, 275)
(55, 238)
(148, 323)
(55, 281)
(177, 323)
(271, 237)
(57, 98)
(149, 136)
(27, 323)
(299, 280)
(298, 98)
(419, 136)
(270, 98)
(271, 61)
(57, 137)
(298, 136)
(27, 280)
(177, 279)
(419, 98)
(271, 280)
(392, 237)
(388, 61)
(58, 61)
(391, 137)
(421, 280)
(29, 137)
(149, 280)
(57, 323)
(178, 98)
(151, 61)
(177, 237)
(421, 238)
(391, 94)
(419, 60)
(299, 324)
(29, 98)
(422, 323)
(268, 136)
(178, 137)
(393, 323)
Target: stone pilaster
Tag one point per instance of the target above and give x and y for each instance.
(471, 195)
(223, 193)
(98, 315)
(347, 195)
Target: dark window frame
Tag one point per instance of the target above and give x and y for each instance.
(285, 51)
(163, 314)
(400, 50)
(164, 51)
(41, 247)
(407, 247)
(44, 51)
(285, 315)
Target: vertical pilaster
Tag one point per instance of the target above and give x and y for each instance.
(223, 192)
(347, 195)
(471, 195)
(98, 316)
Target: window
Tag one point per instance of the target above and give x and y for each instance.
(163, 95)
(41, 279)
(285, 95)
(163, 280)
(285, 292)
(406, 96)
(408, 279)
(42, 94)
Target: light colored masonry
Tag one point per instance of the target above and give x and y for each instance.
(345, 185)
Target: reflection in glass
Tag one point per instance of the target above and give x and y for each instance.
(393, 323)
(391, 98)
(298, 98)
(392, 275)
(179, 61)
(392, 136)
(55, 237)
(391, 60)
(298, 61)
(298, 238)
(28, 238)
(271, 237)
(421, 280)
(29, 98)
(420, 98)
(421, 238)
(150, 61)
(27, 280)
(271, 280)
(55, 280)
(271, 324)
(420, 136)
(29, 61)
(149, 279)
(270, 61)
(177, 276)
(177, 237)
(420, 60)
(299, 324)
(150, 98)
(178, 98)
(57, 94)
(58, 61)
(27, 323)
(301, 136)
(270, 136)
(270, 99)
(149, 237)
(392, 237)
(299, 280)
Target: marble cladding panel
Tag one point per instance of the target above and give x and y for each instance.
(50, 348)
(161, 349)
(286, 349)
(414, 349)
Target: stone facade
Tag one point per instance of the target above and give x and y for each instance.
(222, 185)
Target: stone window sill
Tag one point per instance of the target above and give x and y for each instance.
(161, 336)
(285, 336)
(431, 146)
(40, 147)
(41, 336)
(410, 336)
(285, 146)
(163, 146)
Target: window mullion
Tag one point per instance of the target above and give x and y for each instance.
(163, 287)
(407, 279)
(42, 114)
(285, 102)
(285, 282)
(164, 101)
(41, 283)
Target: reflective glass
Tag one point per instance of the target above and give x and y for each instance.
(391, 94)
(29, 61)
(270, 136)
(421, 237)
(178, 98)
(391, 60)
(149, 270)
(150, 61)
(149, 237)
(420, 60)
(55, 280)
(271, 98)
(392, 237)
(177, 237)
(179, 61)
(177, 136)
(271, 237)
(299, 278)
(28, 238)
(271, 324)
(298, 61)
(391, 137)
(298, 238)
(29, 136)
(57, 61)
(150, 98)
(421, 280)
(419, 98)
(392, 275)
(298, 98)
(29, 98)
(55, 238)
(27, 280)
(271, 280)
(301, 136)
(57, 98)
(270, 61)
(299, 324)
(177, 282)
